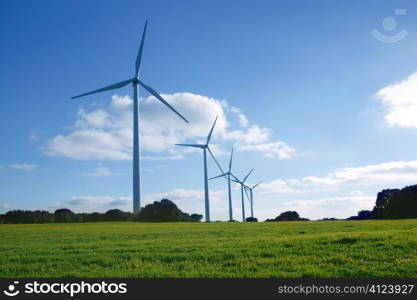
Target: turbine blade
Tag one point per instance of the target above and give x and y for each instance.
(157, 96)
(211, 130)
(218, 176)
(190, 145)
(246, 177)
(139, 57)
(256, 185)
(107, 88)
(230, 162)
(221, 170)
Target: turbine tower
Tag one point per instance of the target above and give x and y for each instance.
(227, 175)
(242, 188)
(205, 148)
(135, 81)
(250, 196)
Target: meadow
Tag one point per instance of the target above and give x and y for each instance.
(386, 248)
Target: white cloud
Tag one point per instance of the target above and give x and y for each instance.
(397, 172)
(106, 133)
(308, 195)
(34, 135)
(95, 203)
(278, 150)
(356, 193)
(24, 167)
(190, 201)
(165, 157)
(253, 135)
(333, 207)
(400, 101)
(278, 186)
(242, 120)
(98, 172)
(89, 145)
(184, 196)
(4, 206)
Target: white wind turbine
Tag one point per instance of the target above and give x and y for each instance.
(242, 188)
(135, 81)
(250, 196)
(205, 147)
(228, 175)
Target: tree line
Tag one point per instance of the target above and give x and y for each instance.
(392, 204)
(389, 204)
(163, 211)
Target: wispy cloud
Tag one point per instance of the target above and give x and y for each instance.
(106, 133)
(164, 157)
(278, 150)
(98, 172)
(188, 200)
(396, 172)
(24, 167)
(329, 207)
(95, 203)
(400, 101)
(34, 135)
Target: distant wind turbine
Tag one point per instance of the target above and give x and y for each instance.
(242, 188)
(135, 81)
(227, 175)
(205, 148)
(250, 196)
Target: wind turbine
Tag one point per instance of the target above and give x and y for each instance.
(227, 175)
(242, 187)
(205, 148)
(250, 196)
(135, 81)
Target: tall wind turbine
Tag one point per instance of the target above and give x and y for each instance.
(250, 196)
(227, 175)
(135, 81)
(242, 187)
(205, 148)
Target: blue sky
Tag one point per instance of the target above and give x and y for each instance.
(307, 95)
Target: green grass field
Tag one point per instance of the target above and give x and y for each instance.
(278, 249)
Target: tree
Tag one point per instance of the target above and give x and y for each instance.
(27, 216)
(363, 215)
(396, 204)
(92, 217)
(164, 211)
(64, 215)
(250, 219)
(117, 215)
(196, 217)
(288, 216)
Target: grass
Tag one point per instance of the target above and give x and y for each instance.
(278, 249)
